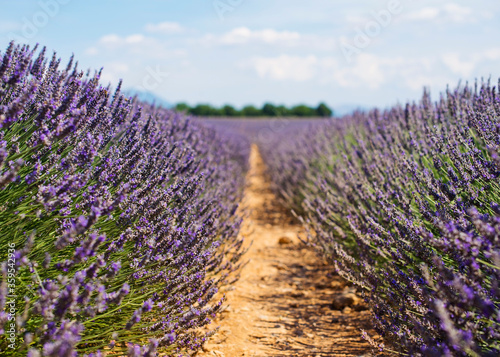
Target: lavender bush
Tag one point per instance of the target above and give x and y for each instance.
(405, 204)
(117, 218)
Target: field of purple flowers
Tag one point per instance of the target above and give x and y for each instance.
(117, 219)
(405, 204)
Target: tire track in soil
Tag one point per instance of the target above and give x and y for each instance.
(281, 305)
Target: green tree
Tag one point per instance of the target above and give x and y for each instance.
(202, 110)
(182, 107)
(282, 111)
(323, 111)
(229, 111)
(251, 111)
(269, 110)
(216, 112)
(303, 111)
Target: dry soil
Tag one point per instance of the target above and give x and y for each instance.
(282, 304)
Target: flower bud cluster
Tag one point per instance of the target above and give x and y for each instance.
(405, 203)
(122, 214)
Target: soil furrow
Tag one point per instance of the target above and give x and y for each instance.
(282, 304)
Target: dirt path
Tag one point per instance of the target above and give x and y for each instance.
(282, 304)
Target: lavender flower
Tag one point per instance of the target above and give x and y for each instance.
(121, 213)
(404, 203)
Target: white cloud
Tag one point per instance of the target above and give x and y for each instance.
(465, 64)
(445, 13)
(374, 71)
(137, 45)
(114, 71)
(285, 67)
(179, 52)
(92, 51)
(491, 54)
(457, 13)
(243, 35)
(426, 13)
(135, 39)
(418, 81)
(367, 71)
(456, 65)
(164, 28)
(271, 59)
(115, 40)
(355, 20)
(8, 26)
(110, 39)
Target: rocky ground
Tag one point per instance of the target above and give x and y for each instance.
(287, 301)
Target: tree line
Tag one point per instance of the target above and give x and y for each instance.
(267, 110)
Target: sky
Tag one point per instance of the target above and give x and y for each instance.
(342, 52)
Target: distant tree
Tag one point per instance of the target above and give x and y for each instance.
(182, 107)
(282, 111)
(303, 111)
(251, 111)
(323, 111)
(269, 110)
(229, 111)
(216, 112)
(203, 110)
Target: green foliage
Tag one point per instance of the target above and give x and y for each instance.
(267, 110)
(281, 110)
(229, 111)
(303, 111)
(323, 111)
(205, 110)
(251, 111)
(181, 107)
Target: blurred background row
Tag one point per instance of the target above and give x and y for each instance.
(345, 54)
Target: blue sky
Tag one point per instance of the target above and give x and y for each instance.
(368, 53)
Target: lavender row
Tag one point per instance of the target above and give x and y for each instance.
(405, 204)
(118, 219)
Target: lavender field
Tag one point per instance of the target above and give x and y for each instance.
(120, 221)
(117, 219)
(404, 203)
